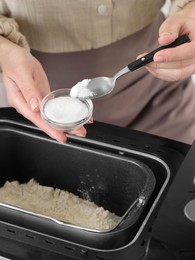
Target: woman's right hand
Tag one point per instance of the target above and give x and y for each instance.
(26, 84)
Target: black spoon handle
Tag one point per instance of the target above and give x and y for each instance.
(149, 57)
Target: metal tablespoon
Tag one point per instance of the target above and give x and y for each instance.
(101, 86)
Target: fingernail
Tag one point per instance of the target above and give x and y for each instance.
(166, 34)
(62, 142)
(159, 58)
(90, 121)
(34, 104)
(80, 134)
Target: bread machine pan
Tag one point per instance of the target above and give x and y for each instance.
(120, 172)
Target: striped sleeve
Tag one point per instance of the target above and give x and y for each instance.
(10, 30)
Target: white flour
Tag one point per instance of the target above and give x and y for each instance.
(65, 110)
(57, 204)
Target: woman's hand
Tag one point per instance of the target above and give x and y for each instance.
(26, 84)
(179, 62)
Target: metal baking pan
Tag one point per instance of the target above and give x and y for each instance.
(120, 185)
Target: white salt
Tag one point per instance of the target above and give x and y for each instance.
(65, 110)
(81, 90)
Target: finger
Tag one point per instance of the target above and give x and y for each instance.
(34, 86)
(182, 52)
(172, 74)
(172, 65)
(166, 38)
(170, 29)
(79, 132)
(17, 100)
(90, 121)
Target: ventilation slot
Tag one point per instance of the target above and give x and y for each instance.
(121, 152)
(191, 191)
(11, 231)
(49, 242)
(134, 145)
(100, 257)
(147, 147)
(69, 248)
(29, 236)
(116, 141)
(150, 230)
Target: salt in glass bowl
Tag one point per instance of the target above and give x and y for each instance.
(63, 112)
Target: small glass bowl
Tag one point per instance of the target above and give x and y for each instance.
(68, 125)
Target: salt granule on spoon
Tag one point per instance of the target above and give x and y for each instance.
(65, 110)
(80, 90)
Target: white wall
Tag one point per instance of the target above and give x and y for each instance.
(166, 6)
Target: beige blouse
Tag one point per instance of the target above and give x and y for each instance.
(67, 25)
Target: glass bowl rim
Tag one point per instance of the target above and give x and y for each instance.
(65, 92)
